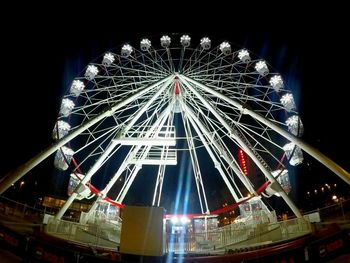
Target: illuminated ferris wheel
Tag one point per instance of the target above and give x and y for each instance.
(145, 100)
(136, 110)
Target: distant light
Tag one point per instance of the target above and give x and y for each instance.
(225, 48)
(22, 183)
(322, 189)
(185, 40)
(308, 193)
(287, 101)
(335, 185)
(315, 191)
(243, 55)
(262, 68)
(334, 197)
(145, 44)
(205, 43)
(126, 50)
(295, 126)
(174, 220)
(276, 82)
(77, 87)
(91, 72)
(165, 41)
(66, 107)
(108, 59)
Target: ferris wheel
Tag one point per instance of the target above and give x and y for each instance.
(150, 97)
(152, 103)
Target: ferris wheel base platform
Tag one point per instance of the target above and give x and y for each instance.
(324, 244)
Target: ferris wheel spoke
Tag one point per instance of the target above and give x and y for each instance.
(201, 129)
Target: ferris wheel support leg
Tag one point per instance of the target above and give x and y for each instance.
(330, 164)
(244, 147)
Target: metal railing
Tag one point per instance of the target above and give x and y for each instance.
(235, 237)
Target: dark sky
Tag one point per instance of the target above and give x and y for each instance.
(43, 51)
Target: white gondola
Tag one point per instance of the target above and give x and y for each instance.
(63, 157)
(66, 107)
(205, 43)
(276, 82)
(91, 72)
(126, 50)
(287, 101)
(185, 40)
(60, 130)
(261, 68)
(295, 126)
(165, 41)
(145, 44)
(225, 48)
(108, 59)
(244, 56)
(283, 179)
(294, 154)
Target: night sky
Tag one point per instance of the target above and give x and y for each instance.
(42, 53)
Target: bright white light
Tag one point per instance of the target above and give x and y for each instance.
(287, 101)
(63, 154)
(184, 220)
(243, 55)
(77, 87)
(295, 126)
(297, 157)
(91, 72)
(185, 40)
(145, 44)
(205, 43)
(66, 107)
(126, 50)
(334, 197)
(60, 130)
(276, 82)
(174, 220)
(225, 48)
(108, 59)
(261, 68)
(165, 41)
